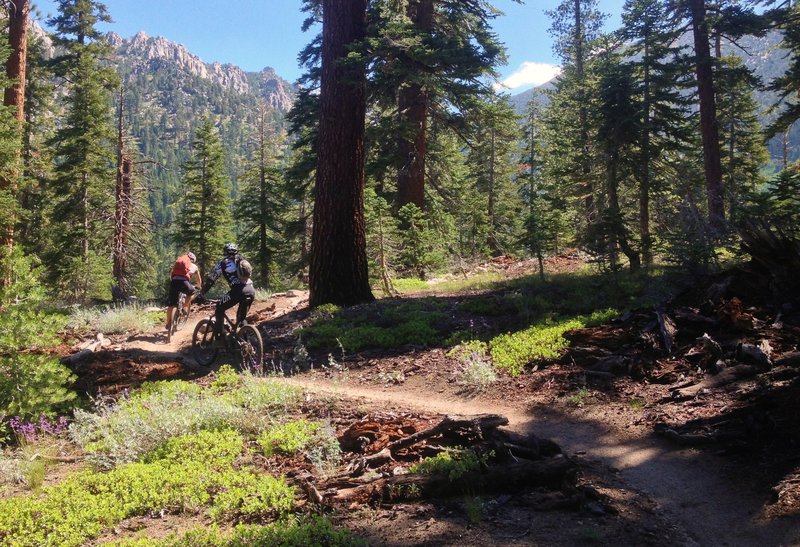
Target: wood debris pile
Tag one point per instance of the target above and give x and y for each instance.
(379, 452)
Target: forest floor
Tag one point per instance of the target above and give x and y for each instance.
(663, 456)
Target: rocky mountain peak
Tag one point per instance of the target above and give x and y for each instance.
(151, 51)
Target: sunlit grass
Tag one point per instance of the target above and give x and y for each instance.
(410, 284)
(115, 319)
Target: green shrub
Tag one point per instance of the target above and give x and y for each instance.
(384, 325)
(451, 463)
(225, 379)
(142, 422)
(31, 383)
(83, 505)
(512, 352)
(246, 494)
(214, 449)
(288, 438)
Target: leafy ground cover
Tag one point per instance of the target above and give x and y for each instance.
(611, 393)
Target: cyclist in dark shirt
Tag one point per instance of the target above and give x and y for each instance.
(241, 291)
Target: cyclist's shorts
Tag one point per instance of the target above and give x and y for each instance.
(176, 287)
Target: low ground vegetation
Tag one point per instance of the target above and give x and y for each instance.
(255, 457)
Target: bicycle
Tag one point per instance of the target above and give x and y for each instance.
(179, 317)
(242, 339)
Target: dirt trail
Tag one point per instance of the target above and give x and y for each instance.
(691, 488)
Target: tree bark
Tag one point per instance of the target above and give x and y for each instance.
(709, 128)
(14, 97)
(338, 267)
(413, 109)
(15, 65)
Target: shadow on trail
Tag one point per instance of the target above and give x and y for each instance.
(709, 497)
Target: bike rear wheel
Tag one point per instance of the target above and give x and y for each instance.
(181, 315)
(202, 343)
(250, 350)
(173, 324)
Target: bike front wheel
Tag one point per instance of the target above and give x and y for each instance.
(250, 351)
(203, 343)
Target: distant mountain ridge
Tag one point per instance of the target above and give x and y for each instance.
(146, 53)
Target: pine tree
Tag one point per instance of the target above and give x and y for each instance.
(741, 134)
(544, 216)
(41, 111)
(204, 222)
(83, 186)
(618, 129)
(576, 24)
(431, 60)
(788, 85)
(493, 166)
(662, 81)
(261, 200)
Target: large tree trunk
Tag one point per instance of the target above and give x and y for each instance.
(18, 11)
(708, 113)
(14, 97)
(413, 109)
(338, 268)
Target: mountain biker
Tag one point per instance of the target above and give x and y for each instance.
(236, 271)
(181, 276)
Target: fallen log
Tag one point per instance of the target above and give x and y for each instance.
(727, 376)
(514, 477)
(791, 359)
(478, 425)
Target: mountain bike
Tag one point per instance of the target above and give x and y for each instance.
(179, 317)
(243, 340)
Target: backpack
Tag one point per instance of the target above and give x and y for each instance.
(182, 267)
(243, 268)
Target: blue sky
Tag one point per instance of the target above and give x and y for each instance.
(257, 33)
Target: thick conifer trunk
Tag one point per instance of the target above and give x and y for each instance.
(338, 268)
(413, 108)
(709, 128)
(14, 96)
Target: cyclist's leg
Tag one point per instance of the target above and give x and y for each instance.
(229, 300)
(172, 299)
(188, 290)
(248, 295)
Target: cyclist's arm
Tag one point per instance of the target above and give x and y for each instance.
(198, 279)
(213, 276)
